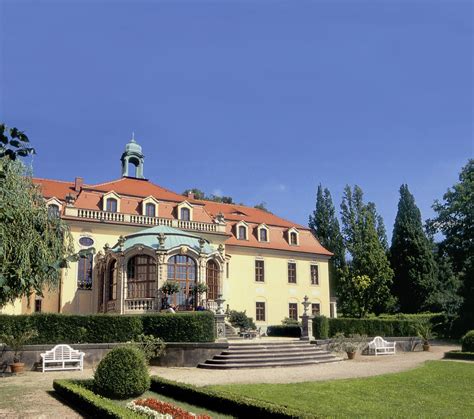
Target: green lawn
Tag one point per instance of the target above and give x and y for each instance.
(436, 389)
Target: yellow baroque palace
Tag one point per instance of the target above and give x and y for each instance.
(134, 235)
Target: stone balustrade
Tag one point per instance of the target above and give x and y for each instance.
(117, 217)
(140, 305)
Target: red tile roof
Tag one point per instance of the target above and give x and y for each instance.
(134, 190)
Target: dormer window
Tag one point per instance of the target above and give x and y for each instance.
(111, 205)
(241, 229)
(150, 206)
(150, 210)
(185, 211)
(53, 211)
(111, 202)
(293, 237)
(263, 233)
(185, 214)
(54, 206)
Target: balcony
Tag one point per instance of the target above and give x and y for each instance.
(121, 218)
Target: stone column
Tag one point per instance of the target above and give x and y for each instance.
(120, 305)
(306, 321)
(220, 320)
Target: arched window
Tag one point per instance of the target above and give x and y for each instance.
(150, 209)
(242, 234)
(185, 214)
(263, 235)
(182, 269)
(53, 211)
(293, 238)
(112, 282)
(84, 272)
(212, 280)
(141, 277)
(111, 205)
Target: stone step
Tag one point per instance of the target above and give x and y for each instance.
(230, 355)
(283, 359)
(267, 364)
(263, 342)
(238, 348)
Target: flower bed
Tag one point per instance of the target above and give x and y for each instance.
(162, 410)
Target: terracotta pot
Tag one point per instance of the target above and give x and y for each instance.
(351, 355)
(426, 347)
(17, 367)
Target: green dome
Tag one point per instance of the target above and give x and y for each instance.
(133, 147)
(173, 238)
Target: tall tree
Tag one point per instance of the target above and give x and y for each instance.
(455, 220)
(411, 257)
(365, 283)
(325, 227)
(33, 245)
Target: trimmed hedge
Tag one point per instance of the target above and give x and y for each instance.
(459, 355)
(321, 327)
(467, 342)
(366, 326)
(235, 405)
(291, 331)
(108, 328)
(79, 395)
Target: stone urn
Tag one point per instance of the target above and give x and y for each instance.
(17, 367)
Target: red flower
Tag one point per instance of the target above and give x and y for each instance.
(169, 409)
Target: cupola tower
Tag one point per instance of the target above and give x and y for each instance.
(133, 156)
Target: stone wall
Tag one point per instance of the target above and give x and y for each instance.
(176, 355)
(404, 344)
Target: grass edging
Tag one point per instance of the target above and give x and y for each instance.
(469, 356)
(223, 402)
(77, 394)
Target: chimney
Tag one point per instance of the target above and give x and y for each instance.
(78, 184)
(191, 195)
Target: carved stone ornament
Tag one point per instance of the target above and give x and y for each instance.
(306, 304)
(106, 247)
(161, 240)
(220, 330)
(202, 242)
(220, 249)
(183, 250)
(121, 242)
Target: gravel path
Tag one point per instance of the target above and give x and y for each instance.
(362, 366)
(30, 395)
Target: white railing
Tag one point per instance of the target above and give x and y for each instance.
(140, 305)
(211, 305)
(194, 225)
(143, 220)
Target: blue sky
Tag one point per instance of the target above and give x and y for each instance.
(260, 100)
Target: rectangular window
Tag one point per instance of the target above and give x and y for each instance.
(260, 312)
(242, 233)
(263, 235)
(292, 272)
(150, 209)
(84, 272)
(259, 271)
(111, 205)
(314, 275)
(38, 302)
(315, 309)
(293, 311)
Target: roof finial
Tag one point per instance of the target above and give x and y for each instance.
(133, 136)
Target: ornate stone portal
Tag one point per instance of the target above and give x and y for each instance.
(129, 275)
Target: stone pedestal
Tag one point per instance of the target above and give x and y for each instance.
(220, 327)
(306, 327)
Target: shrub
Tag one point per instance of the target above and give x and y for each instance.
(289, 322)
(241, 320)
(469, 356)
(151, 346)
(321, 327)
(292, 331)
(367, 326)
(109, 328)
(467, 342)
(180, 327)
(122, 373)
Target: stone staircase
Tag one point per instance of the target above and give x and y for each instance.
(258, 354)
(231, 332)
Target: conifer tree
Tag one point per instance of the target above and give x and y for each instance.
(364, 236)
(325, 227)
(411, 257)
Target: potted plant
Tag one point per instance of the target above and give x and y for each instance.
(424, 330)
(350, 345)
(169, 288)
(16, 343)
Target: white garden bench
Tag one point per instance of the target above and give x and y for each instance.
(62, 357)
(381, 346)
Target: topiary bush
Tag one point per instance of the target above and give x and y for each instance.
(291, 331)
(122, 373)
(240, 320)
(467, 342)
(320, 327)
